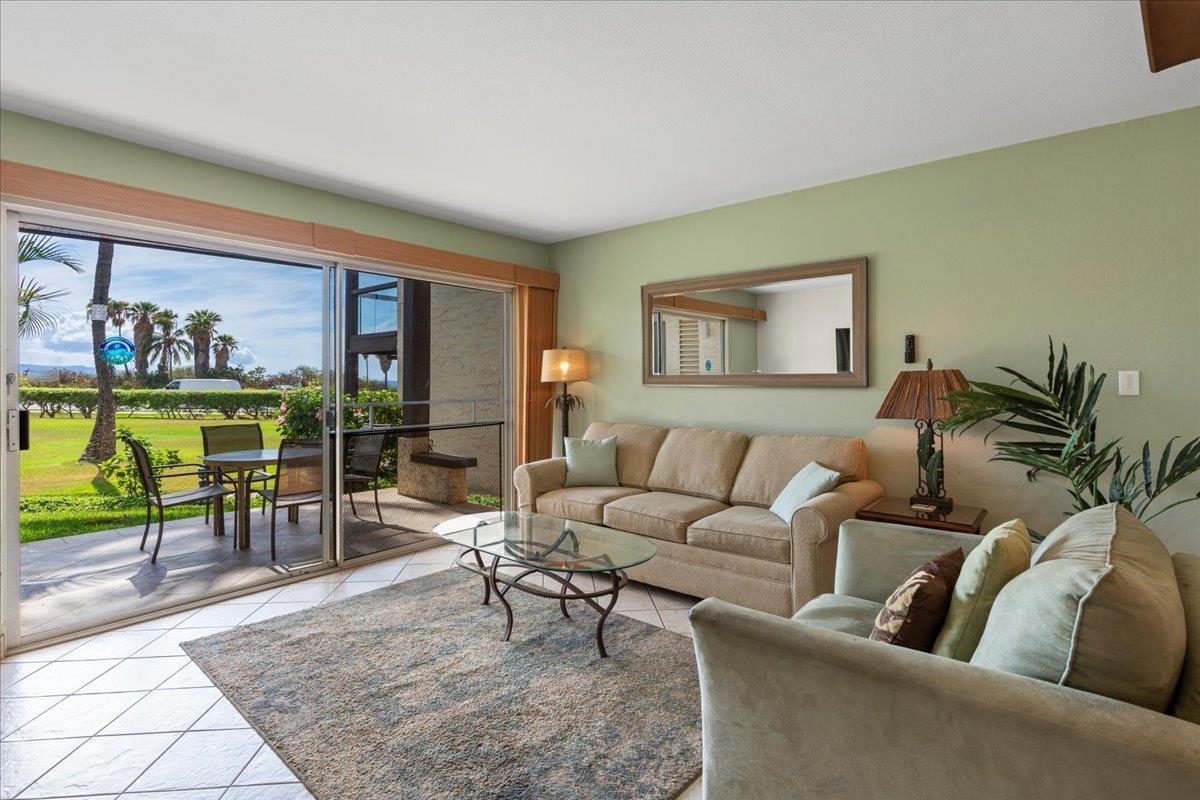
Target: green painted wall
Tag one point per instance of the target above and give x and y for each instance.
(1091, 237)
(45, 144)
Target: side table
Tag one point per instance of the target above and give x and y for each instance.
(961, 519)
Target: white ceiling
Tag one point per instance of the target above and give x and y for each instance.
(554, 120)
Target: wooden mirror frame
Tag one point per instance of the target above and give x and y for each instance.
(856, 268)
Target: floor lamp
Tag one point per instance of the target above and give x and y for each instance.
(564, 366)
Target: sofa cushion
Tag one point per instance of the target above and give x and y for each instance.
(1099, 611)
(591, 462)
(637, 446)
(584, 503)
(912, 616)
(745, 530)
(698, 461)
(840, 612)
(1187, 699)
(1002, 555)
(806, 484)
(660, 515)
(771, 461)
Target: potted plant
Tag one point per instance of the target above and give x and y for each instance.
(1061, 414)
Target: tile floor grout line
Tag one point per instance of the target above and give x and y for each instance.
(245, 766)
(43, 774)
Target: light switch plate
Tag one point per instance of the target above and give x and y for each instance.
(1129, 382)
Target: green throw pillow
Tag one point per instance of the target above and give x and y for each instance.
(591, 462)
(1001, 556)
(806, 484)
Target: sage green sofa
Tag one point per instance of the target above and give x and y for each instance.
(810, 708)
(702, 495)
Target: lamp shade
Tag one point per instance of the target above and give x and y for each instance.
(918, 393)
(564, 365)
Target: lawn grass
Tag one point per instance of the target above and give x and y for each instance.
(51, 467)
(50, 470)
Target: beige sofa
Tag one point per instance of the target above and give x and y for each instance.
(703, 496)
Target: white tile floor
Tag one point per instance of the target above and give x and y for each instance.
(126, 714)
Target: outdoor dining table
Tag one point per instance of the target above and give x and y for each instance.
(243, 463)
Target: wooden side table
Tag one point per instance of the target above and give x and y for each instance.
(961, 519)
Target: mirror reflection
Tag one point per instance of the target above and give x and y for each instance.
(802, 326)
(791, 327)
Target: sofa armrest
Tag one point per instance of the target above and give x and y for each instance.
(815, 532)
(796, 711)
(536, 478)
(874, 557)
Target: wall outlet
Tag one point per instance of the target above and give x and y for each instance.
(1129, 382)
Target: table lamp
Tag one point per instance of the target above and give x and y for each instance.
(920, 395)
(564, 366)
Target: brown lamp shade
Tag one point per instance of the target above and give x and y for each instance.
(564, 365)
(917, 393)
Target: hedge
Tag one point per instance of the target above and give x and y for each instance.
(254, 403)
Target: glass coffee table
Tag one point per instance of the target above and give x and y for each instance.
(549, 547)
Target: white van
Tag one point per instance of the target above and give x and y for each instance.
(204, 385)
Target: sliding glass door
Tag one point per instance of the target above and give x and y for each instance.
(424, 413)
(192, 418)
(158, 463)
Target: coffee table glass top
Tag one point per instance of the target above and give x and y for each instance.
(545, 542)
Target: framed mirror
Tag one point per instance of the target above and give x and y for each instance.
(804, 325)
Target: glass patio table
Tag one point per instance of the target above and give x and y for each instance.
(552, 547)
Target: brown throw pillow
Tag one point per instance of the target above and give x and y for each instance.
(914, 613)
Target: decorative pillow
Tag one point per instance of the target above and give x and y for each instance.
(810, 481)
(1099, 611)
(1187, 701)
(1001, 556)
(591, 462)
(914, 613)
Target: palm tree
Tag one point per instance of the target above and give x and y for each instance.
(35, 300)
(102, 445)
(223, 347)
(118, 314)
(201, 325)
(35, 306)
(142, 314)
(169, 346)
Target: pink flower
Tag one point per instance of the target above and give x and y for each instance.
(283, 408)
(280, 420)
(320, 414)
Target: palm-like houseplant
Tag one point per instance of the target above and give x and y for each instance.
(1062, 413)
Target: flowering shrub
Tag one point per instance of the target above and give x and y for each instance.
(301, 414)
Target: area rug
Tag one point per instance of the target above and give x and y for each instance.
(408, 692)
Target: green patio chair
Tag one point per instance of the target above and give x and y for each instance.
(150, 476)
(230, 438)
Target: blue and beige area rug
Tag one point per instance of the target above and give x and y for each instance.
(408, 692)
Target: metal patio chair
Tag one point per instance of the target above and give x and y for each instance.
(230, 438)
(150, 476)
(299, 481)
(364, 453)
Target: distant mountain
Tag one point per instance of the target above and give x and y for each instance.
(41, 371)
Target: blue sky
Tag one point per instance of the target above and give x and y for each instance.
(273, 310)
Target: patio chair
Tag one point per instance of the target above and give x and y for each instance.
(299, 481)
(150, 476)
(232, 437)
(364, 453)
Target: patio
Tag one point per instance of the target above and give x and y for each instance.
(101, 576)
